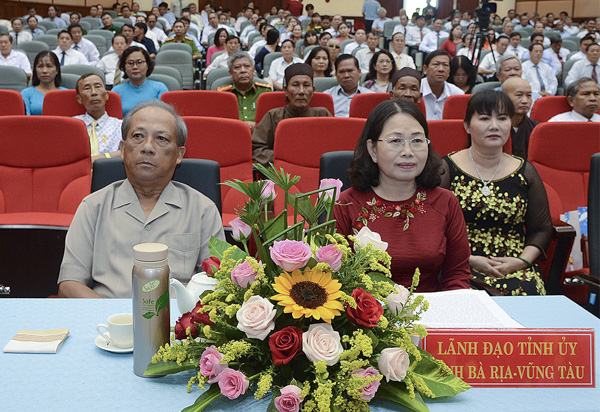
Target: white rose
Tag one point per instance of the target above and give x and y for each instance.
(393, 364)
(397, 300)
(365, 235)
(322, 343)
(255, 317)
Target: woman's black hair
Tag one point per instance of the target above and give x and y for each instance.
(372, 75)
(364, 173)
(487, 102)
(35, 81)
(217, 34)
(463, 62)
(133, 49)
(311, 33)
(273, 36)
(313, 54)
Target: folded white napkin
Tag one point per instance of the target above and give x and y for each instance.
(37, 341)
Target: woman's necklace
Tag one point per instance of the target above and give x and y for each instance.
(485, 190)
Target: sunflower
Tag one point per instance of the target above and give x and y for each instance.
(312, 293)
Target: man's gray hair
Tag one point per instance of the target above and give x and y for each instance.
(574, 87)
(180, 127)
(238, 55)
(504, 58)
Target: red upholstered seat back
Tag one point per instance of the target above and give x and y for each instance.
(268, 101)
(455, 106)
(203, 103)
(300, 142)
(545, 108)
(362, 104)
(11, 103)
(45, 164)
(561, 154)
(63, 103)
(228, 142)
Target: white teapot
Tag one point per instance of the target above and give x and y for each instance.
(188, 296)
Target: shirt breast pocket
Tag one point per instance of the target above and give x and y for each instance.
(184, 249)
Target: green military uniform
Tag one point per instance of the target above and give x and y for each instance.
(187, 40)
(115, 30)
(247, 102)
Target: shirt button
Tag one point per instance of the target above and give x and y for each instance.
(148, 227)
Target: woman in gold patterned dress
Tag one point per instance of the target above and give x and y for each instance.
(503, 200)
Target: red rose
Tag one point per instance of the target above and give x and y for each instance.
(201, 317)
(185, 321)
(285, 344)
(368, 310)
(211, 265)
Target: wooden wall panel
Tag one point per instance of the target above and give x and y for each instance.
(587, 8)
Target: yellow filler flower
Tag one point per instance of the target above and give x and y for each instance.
(312, 293)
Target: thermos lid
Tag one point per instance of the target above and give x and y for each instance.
(150, 252)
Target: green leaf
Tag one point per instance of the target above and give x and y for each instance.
(274, 226)
(168, 368)
(396, 392)
(380, 277)
(440, 384)
(203, 400)
(304, 207)
(271, 407)
(217, 247)
(162, 301)
(148, 315)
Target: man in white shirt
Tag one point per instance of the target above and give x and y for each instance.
(10, 57)
(52, 16)
(194, 16)
(18, 34)
(365, 54)
(508, 28)
(539, 74)
(573, 30)
(163, 10)
(213, 25)
(92, 94)
(109, 63)
(66, 55)
(467, 18)
(583, 95)
(403, 27)
(590, 27)
(402, 60)
(257, 45)
(380, 21)
(433, 40)
(539, 29)
(335, 22)
(251, 29)
(347, 72)
(556, 55)
(453, 22)
(587, 67)
(514, 47)
(523, 22)
(126, 13)
(153, 28)
(208, 8)
(559, 29)
(84, 46)
(32, 27)
(488, 63)
(415, 36)
(583, 45)
(510, 66)
(246, 16)
(360, 36)
(435, 89)
(512, 15)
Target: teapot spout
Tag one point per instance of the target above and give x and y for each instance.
(185, 300)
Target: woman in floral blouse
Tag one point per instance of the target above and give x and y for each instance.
(395, 192)
(503, 200)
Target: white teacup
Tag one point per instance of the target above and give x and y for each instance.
(120, 329)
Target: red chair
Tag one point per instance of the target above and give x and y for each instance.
(455, 106)
(300, 142)
(449, 136)
(203, 103)
(362, 104)
(547, 107)
(268, 101)
(11, 103)
(565, 170)
(42, 178)
(229, 143)
(63, 103)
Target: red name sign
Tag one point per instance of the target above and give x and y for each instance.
(516, 357)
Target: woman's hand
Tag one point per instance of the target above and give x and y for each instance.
(485, 266)
(506, 265)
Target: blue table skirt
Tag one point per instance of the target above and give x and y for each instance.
(81, 377)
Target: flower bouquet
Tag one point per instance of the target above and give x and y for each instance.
(316, 324)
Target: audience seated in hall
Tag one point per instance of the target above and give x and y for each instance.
(407, 85)
(66, 55)
(519, 92)
(539, 74)
(83, 45)
(583, 95)
(434, 87)
(109, 64)
(10, 57)
(587, 67)
(347, 72)
(46, 77)
(17, 33)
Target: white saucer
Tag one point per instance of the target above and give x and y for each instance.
(105, 345)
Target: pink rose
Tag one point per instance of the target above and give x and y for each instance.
(330, 255)
(210, 364)
(393, 364)
(255, 317)
(369, 390)
(240, 230)
(325, 183)
(268, 191)
(233, 383)
(290, 254)
(321, 343)
(289, 401)
(243, 274)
